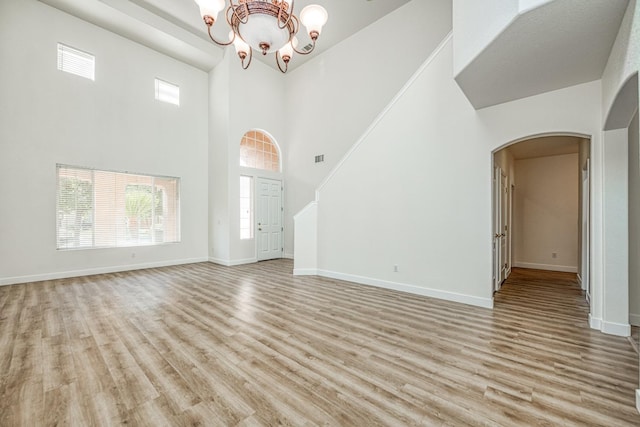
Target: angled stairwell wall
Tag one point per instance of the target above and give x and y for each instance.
(414, 193)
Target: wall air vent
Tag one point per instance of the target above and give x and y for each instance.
(320, 158)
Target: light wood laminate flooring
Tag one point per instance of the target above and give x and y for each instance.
(253, 345)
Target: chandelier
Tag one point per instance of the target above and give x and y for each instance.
(269, 26)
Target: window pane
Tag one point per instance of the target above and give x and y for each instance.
(246, 207)
(258, 151)
(167, 92)
(117, 209)
(76, 62)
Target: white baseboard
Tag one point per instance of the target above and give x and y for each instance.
(412, 289)
(638, 400)
(619, 329)
(288, 255)
(305, 272)
(634, 319)
(231, 263)
(595, 323)
(92, 271)
(549, 267)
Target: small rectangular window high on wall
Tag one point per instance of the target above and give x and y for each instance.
(167, 92)
(246, 207)
(104, 209)
(76, 62)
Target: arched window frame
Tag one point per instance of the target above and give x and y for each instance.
(272, 141)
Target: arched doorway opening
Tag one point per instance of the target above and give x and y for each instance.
(540, 206)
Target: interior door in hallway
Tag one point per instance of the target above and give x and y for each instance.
(269, 219)
(500, 213)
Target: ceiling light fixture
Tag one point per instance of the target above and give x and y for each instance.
(266, 25)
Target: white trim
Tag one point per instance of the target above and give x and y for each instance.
(619, 329)
(413, 289)
(638, 400)
(634, 319)
(92, 271)
(594, 322)
(384, 112)
(288, 255)
(305, 209)
(549, 267)
(305, 272)
(231, 263)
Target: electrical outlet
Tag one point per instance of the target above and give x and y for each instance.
(554, 255)
(395, 268)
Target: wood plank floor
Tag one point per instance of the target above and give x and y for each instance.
(253, 345)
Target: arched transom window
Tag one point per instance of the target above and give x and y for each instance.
(258, 151)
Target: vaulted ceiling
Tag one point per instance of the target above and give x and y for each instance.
(559, 44)
(175, 28)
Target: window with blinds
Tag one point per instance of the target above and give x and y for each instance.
(104, 209)
(167, 92)
(76, 62)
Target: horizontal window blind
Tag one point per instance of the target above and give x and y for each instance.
(167, 92)
(102, 209)
(76, 62)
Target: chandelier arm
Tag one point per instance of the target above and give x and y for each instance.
(228, 15)
(305, 53)
(233, 7)
(244, 67)
(293, 2)
(286, 63)
(216, 41)
(296, 24)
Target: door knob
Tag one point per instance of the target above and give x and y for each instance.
(259, 229)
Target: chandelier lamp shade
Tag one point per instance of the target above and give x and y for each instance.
(269, 26)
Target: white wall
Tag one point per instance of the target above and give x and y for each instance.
(219, 105)
(476, 24)
(240, 101)
(525, 5)
(546, 213)
(306, 241)
(616, 232)
(333, 98)
(427, 208)
(634, 222)
(114, 123)
(624, 60)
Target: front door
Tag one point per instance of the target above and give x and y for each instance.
(269, 219)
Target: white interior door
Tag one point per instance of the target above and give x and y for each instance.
(499, 227)
(504, 227)
(584, 273)
(269, 227)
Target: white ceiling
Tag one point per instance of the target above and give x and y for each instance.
(545, 146)
(175, 28)
(560, 44)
